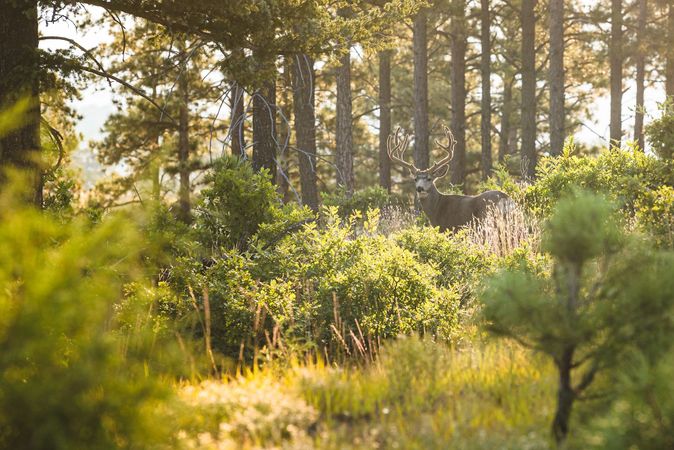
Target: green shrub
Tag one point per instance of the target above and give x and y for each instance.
(362, 201)
(622, 176)
(69, 378)
(234, 205)
(655, 213)
(660, 132)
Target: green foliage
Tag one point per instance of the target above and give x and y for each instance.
(622, 176)
(660, 132)
(360, 202)
(595, 307)
(69, 378)
(655, 213)
(237, 201)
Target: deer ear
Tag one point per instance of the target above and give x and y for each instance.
(441, 171)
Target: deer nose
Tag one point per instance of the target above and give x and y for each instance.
(420, 189)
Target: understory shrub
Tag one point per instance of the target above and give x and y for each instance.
(72, 374)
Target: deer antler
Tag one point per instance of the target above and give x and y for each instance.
(396, 145)
(449, 149)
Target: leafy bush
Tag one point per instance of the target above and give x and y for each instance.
(69, 378)
(660, 132)
(234, 205)
(362, 201)
(623, 176)
(594, 308)
(655, 212)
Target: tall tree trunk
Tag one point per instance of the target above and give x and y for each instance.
(556, 77)
(264, 128)
(565, 397)
(19, 79)
(506, 117)
(285, 106)
(384, 118)
(669, 69)
(303, 80)
(528, 150)
(458, 80)
(420, 50)
(616, 62)
(641, 74)
(485, 69)
(237, 117)
(344, 138)
(185, 207)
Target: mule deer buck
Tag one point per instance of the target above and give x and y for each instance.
(448, 212)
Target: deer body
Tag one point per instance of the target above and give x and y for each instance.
(448, 212)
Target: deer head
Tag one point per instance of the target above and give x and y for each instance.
(424, 179)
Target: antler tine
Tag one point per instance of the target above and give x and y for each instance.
(449, 149)
(396, 145)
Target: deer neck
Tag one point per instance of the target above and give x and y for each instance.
(430, 203)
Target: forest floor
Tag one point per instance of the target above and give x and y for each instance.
(416, 395)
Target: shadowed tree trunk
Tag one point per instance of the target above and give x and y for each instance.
(344, 138)
(458, 84)
(556, 77)
(669, 69)
(420, 50)
(185, 212)
(616, 62)
(485, 69)
(384, 118)
(283, 166)
(506, 117)
(237, 117)
(528, 150)
(303, 81)
(19, 79)
(264, 128)
(641, 75)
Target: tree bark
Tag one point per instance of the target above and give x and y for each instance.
(458, 84)
(565, 397)
(506, 118)
(344, 138)
(19, 79)
(384, 118)
(237, 117)
(420, 50)
(528, 150)
(641, 74)
(669, 69)
(485, 69)
(303, 81)
(616, 63)
(264, 129)
(185, 207)
(556, 77)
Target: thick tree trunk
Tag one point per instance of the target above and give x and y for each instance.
(506, 117)
(303, 80)
(485, 69)
(458, 81)
(19, 79)
(185, 207)
(420, 50)
(556, 77)
(384, 118)
(264, 128)
(641, 74)
(237, 117)
(616, 62)
(528, 150)
(669, 69)
(344, 138)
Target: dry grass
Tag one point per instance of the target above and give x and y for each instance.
(506, 229)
